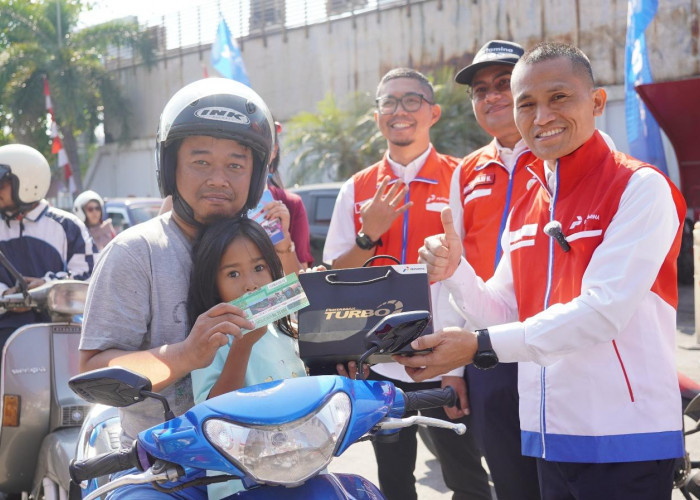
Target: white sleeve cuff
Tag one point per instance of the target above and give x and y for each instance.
(508, 341)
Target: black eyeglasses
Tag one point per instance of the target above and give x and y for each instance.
(410, 102)
(479, 91)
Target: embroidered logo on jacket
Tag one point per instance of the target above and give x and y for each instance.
(436, 203)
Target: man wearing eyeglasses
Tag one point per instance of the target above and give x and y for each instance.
(390, 208)
(483, 190)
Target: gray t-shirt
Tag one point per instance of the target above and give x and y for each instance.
(136, 301)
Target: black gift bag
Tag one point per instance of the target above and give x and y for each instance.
(344, 304)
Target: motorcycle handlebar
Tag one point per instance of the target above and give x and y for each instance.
(101, 465)
(430, 398)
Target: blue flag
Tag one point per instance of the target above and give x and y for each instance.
(643, 133)
(226, 56)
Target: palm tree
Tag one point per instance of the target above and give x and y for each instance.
(39, 40)
(333, 143)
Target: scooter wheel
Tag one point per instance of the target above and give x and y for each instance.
(693, 485)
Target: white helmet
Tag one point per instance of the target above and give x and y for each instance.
(82, 199)
(29, 173)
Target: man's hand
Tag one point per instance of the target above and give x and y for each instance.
(211, 331)
(351, 370)
(441, 253)
(460, 387)
(451, 348)
(379, 213)
(34, 282)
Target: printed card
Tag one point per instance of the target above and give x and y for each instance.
(273, 228)
(273, 301)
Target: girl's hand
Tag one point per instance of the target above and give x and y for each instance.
(276, 209)
(211, 331)
(314, 269)
(351, 370)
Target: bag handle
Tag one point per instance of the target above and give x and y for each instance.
(330, 278)
(372, 259)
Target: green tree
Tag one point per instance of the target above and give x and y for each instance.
(39, 39)
(335, 142)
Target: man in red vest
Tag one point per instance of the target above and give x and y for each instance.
(584, 297)
(390, 208)
(484, 188)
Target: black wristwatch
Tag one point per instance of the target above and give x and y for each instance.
(365, 242)
(485, 356)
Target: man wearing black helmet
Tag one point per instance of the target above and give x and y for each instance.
(212, 150)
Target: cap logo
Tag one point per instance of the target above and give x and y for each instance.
(500, 49)
(222, 115)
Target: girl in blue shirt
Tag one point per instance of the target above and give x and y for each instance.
(230, 259)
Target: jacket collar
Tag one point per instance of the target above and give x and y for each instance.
(572, 168)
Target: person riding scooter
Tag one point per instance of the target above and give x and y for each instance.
(212, 150)
(90, 208)
(42, 242)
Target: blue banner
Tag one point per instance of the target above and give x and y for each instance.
(226, 56)
(643, 134)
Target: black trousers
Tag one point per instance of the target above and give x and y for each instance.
(651, 480)
(493, 400)
(459, 457)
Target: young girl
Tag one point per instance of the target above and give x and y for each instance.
(231, 258)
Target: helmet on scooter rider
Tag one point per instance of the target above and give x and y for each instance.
(220, 108)
(28, 172)
(83, 199)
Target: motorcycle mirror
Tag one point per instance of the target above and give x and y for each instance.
(19, 279)
(396, 331)
(111, 386)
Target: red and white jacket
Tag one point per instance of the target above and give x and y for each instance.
(482, 194)
(429, 191)
(593, 328)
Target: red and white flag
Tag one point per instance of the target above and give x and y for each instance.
(57, 144)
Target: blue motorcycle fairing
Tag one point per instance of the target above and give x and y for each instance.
(182, 440)
(335, 486)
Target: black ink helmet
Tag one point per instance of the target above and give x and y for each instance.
(221, 108)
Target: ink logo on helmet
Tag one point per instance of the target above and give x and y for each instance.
(222, 114)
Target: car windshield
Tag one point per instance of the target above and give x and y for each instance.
(143, 213)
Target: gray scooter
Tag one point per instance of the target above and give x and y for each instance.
(41, 416)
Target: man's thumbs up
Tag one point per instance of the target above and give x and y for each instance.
(441, 253)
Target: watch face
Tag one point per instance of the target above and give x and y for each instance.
(485, 360)
(364, 242)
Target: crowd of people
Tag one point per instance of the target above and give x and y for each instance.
(551, 258)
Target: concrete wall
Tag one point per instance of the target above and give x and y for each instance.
(295, 68)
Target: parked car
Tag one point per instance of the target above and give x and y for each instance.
(319, 200)
(127, 212)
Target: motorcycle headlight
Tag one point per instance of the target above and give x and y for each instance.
(286, 454)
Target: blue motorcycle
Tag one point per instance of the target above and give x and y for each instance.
(282, 433)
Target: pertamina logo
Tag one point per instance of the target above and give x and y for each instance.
(383, 309)
(222, 115)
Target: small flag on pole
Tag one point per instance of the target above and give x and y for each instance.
(643, 134)
(226, 56)
(57, 144)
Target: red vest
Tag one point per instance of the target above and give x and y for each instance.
(429, 192)
(591, 183)
(487, 193)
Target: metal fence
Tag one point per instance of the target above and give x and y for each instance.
(196, 25)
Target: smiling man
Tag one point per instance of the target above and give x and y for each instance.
(484, 188)
(390, 208)
(592, 321)
(212, 150)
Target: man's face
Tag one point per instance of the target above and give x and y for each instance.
(213, 176)
(403, 128)
(6, 202)
(492, 100)
(555, 107)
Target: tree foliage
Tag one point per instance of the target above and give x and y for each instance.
(336, 141)
(39, 39)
